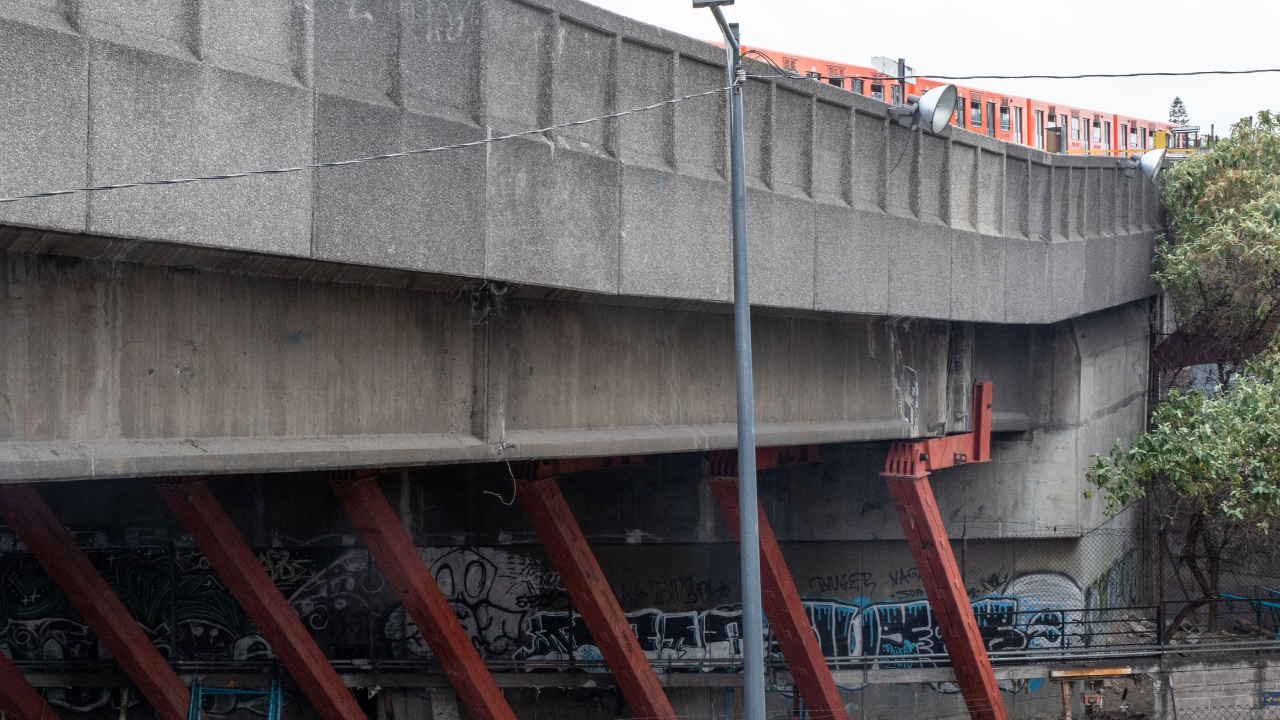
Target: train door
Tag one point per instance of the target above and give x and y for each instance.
(1075, 130)
(1039, 130)
(991, 119)
(1017, 124)
(1106, 135)
(975, 112)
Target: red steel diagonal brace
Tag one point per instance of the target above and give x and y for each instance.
(593, 598)
(18, 699)
(782, 605)
(249, 583)
(57, 552)
(907, 474)
(393, 550)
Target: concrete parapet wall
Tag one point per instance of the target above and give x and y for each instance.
(847, 212)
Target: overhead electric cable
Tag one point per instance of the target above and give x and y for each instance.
(370, 158)
(795, 75)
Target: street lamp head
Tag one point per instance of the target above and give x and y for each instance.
(710, 3)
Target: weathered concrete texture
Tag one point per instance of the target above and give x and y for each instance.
(118, 368)
(122, 359)
(847, 212)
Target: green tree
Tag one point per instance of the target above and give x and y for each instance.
(1177, 112)
(1211, 461)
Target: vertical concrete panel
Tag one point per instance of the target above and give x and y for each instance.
(1028, 288)
(1060, 207)
(920, 275)
(852, 260)
(553, 216)
(757, 110)
(903, 145)
(832, 154)
(582, 86)
(1108, 214)
(49, 14)
(868, 161)
(676, 239)
(647, 138)
(990, 192)
(933, 178)
(793, 137)
(701, 124)
(516, 56)
(440, 57)
(157, 117)
(978, 276)
(1093, 203)
(44, 106)
(1039, 212)
(780, 245)
(1077, 202)
(254, 36)
(1066, 277)
(402, 213)
(355, 48)
(1017, 197)
(171, 27)
(964, 186)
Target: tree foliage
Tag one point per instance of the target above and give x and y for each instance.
(1211, 460)
(1177, 112)
(1219, 453)
(1221, 258)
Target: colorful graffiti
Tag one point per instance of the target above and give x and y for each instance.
(509, 604)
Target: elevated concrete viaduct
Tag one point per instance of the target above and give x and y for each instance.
(564, 295)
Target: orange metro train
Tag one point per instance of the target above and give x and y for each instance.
(1026, 121)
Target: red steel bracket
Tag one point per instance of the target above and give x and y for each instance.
(18, 699)
(393, 549)
(593, 598)
(249, 583)
(906, 472)
(57, 552)
(787, 618)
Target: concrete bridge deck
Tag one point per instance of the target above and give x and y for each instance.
(848, 213)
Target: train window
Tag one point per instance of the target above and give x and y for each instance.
(1097, 132)
(788, 63)
(877, 91)
(1004, 118)
(975, 113)
(959, 114)
(991, 119)
(814, 74)
(837, 81)
(858, 87)
(897, 94)
(1075, 128)
(1133, 137)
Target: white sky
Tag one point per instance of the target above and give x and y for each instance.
(1004, 37)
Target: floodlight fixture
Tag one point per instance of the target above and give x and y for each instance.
(710, 3)
(934, 110)
(1150, 163)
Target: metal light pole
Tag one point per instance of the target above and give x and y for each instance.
(749, 523)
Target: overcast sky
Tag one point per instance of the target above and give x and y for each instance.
(999, 37)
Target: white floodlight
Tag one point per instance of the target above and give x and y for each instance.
(933, 110)
(1151, 162)
(936, 108)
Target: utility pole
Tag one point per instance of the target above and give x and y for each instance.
(748, 518)
(902, 80)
